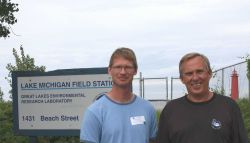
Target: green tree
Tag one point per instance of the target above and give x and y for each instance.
(23, 63)
(7, 18)
(6, 125)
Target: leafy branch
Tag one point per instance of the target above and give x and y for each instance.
(7, 17)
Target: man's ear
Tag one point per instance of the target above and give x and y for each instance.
(181, 78)
(135, 72)
(109, 70)
(210, 74)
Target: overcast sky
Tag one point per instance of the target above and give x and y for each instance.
(63, 34)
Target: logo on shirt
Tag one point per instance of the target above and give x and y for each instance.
(216, 124)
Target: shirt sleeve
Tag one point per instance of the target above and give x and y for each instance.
(90, 131)
(239, 131)
(153, 128)
(162, 135)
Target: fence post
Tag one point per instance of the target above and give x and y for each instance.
(143, 88)
(222, 82)
(140, 84)
(171, 88)
(167, 88)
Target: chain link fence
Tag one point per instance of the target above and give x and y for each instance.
(163, 89)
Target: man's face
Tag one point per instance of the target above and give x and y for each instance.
(122, 72)
(196, 76)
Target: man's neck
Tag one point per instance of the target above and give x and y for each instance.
(121, 95)
(200, 98)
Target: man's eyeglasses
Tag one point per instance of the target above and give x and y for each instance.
(128, 69)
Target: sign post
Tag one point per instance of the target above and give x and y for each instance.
(52, 103)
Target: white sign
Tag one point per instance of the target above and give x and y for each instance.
(57, 102)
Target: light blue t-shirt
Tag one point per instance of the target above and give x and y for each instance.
(106, 121)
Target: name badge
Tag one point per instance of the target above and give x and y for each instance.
(137, 120)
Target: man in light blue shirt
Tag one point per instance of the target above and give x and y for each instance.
(120, 116)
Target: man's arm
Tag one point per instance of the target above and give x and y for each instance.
(90, 129)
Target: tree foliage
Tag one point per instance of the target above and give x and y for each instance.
(247, 58)
(6, 125)
(7, 18)
(23, 63)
